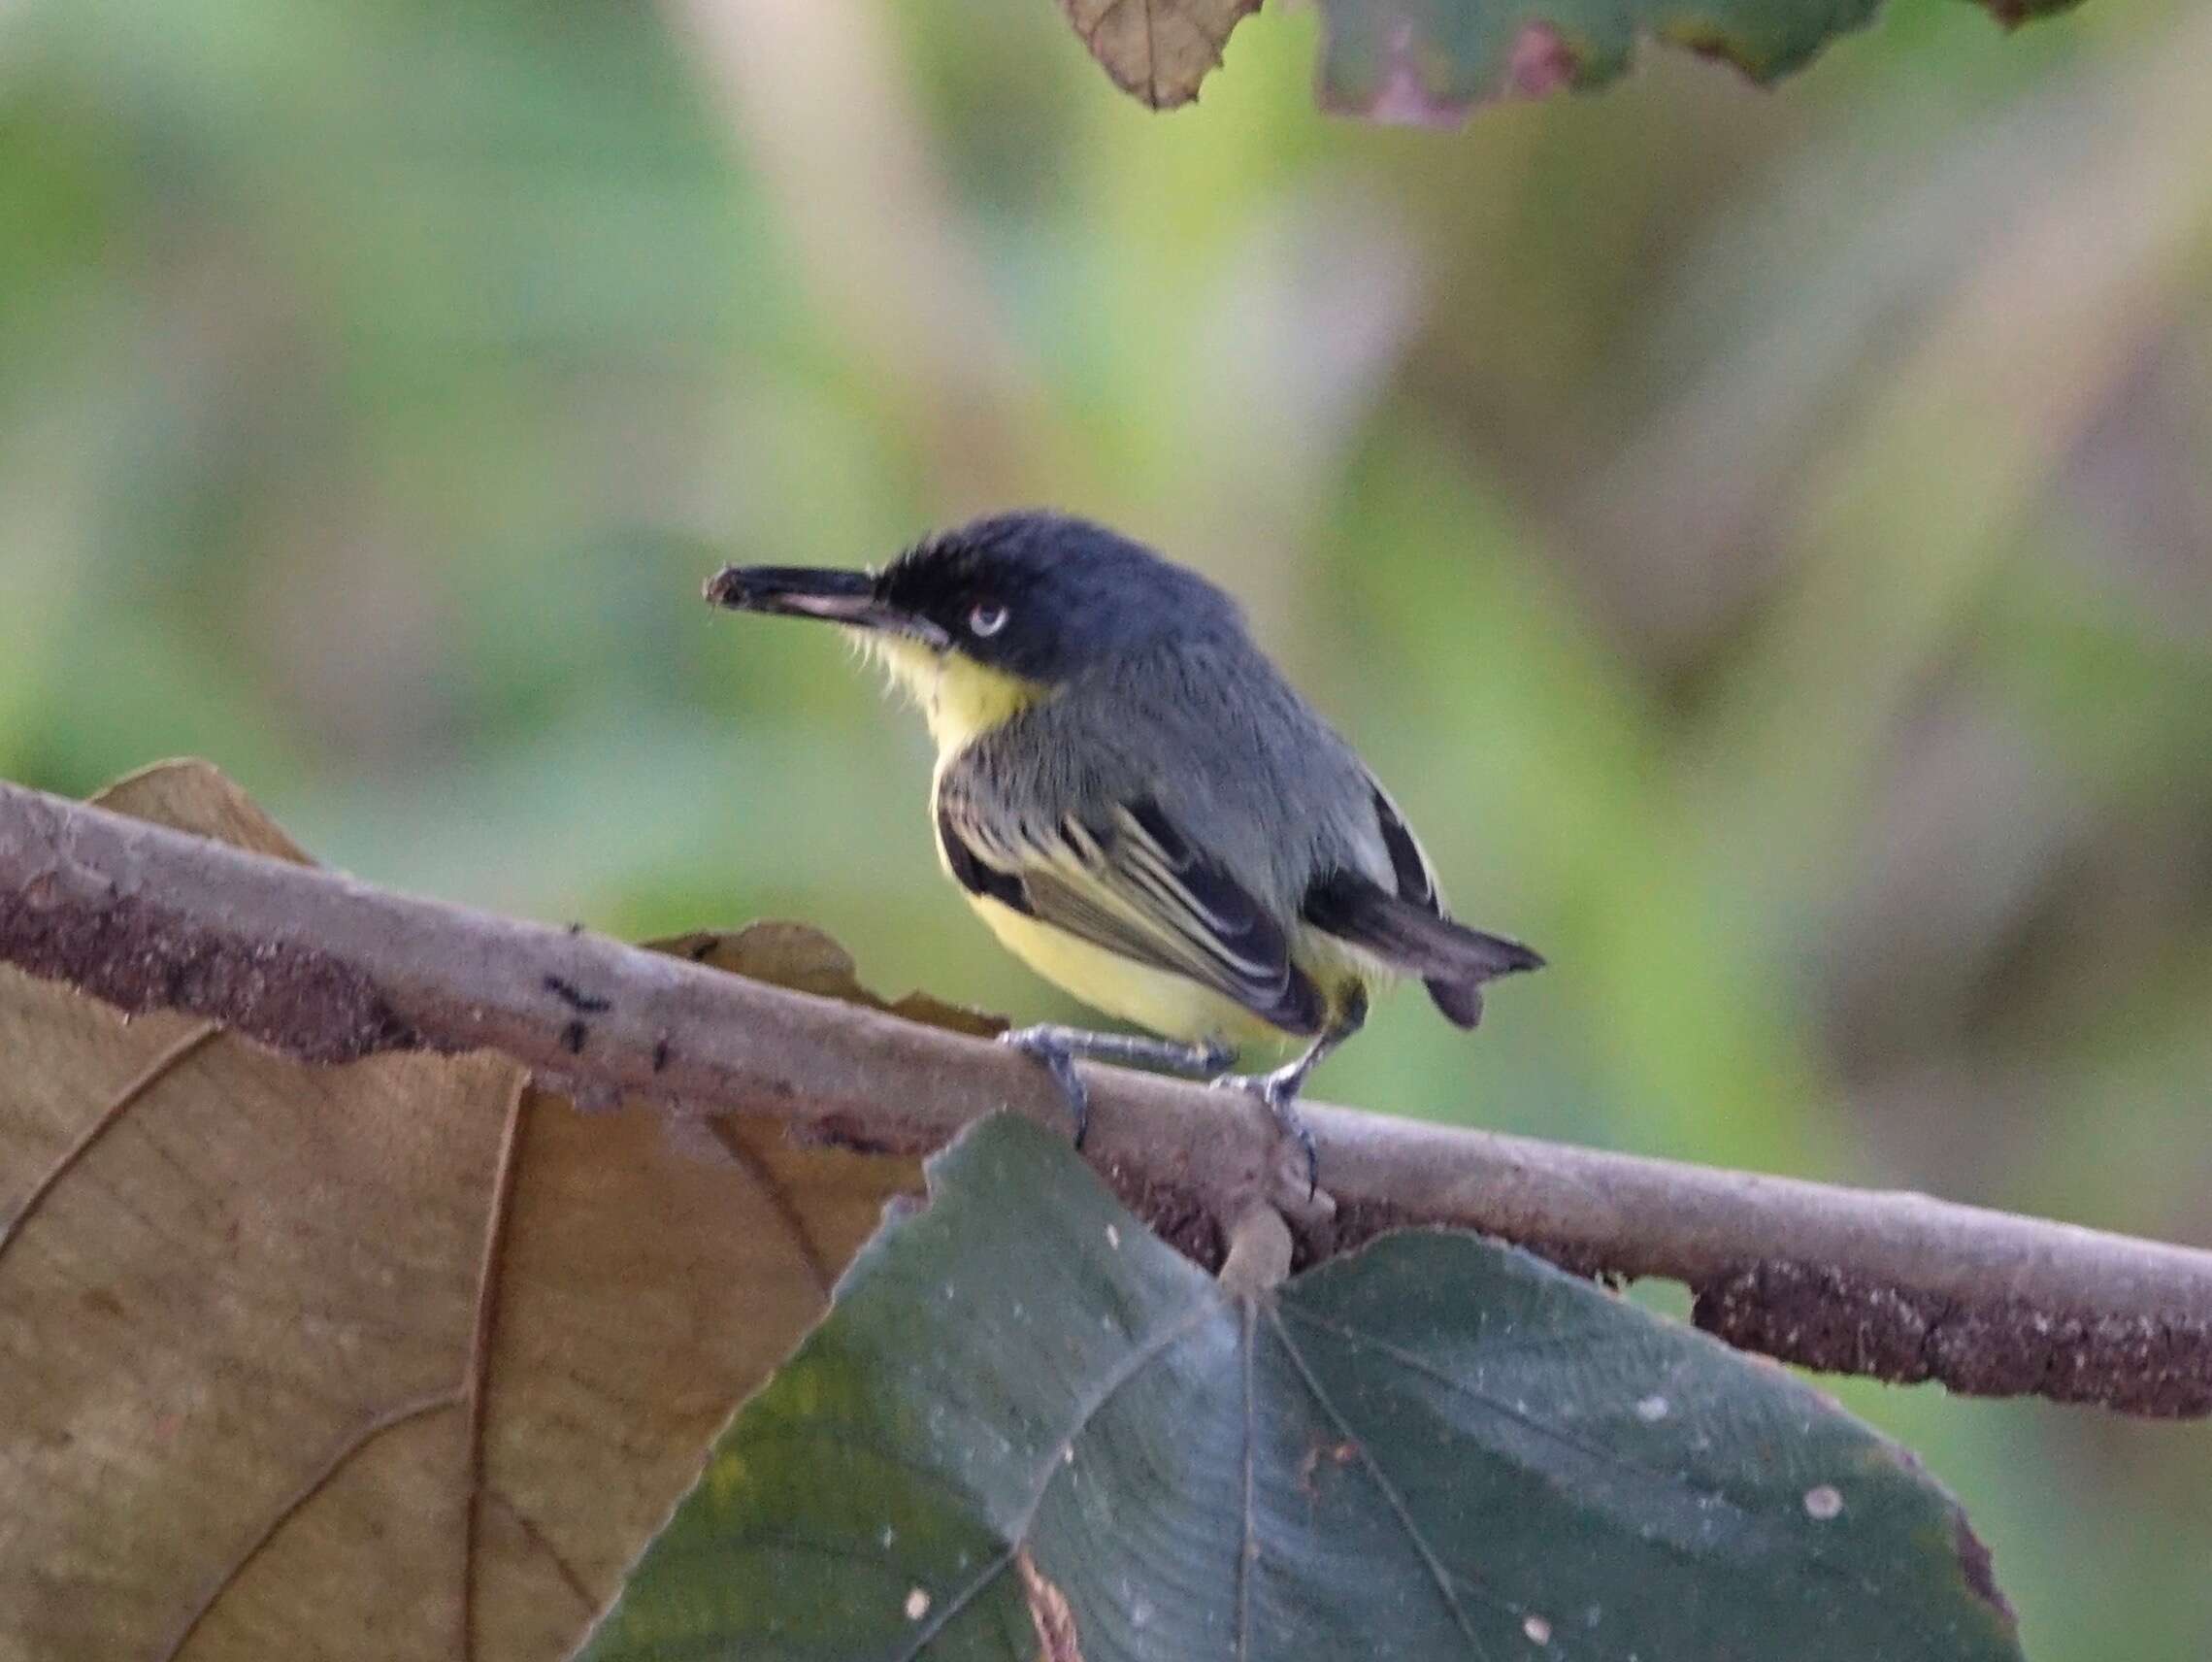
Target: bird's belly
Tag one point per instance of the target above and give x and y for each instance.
(1168, 1004)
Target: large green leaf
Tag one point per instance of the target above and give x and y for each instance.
(1028, 1427)
(1431, 62)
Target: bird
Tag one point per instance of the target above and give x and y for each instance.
(1141, 808)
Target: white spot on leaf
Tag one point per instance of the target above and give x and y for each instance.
(917, 1605)
(1537, 1629)
(1651, 1410)
(1823, 1503)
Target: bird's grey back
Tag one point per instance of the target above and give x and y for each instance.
(1201, 725)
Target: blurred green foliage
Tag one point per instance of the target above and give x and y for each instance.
(1761, 538)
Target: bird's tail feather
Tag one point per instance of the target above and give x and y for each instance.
(1452, 959)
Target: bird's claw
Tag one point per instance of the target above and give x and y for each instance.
(1059, 1060)
(1057, 1047)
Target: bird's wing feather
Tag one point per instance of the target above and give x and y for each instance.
(1354, 908)
(1409, 929)
(1408, 862)
(1122, 877)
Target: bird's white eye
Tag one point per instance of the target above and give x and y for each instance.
(987, 618)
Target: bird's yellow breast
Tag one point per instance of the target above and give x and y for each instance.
(1158, 1000)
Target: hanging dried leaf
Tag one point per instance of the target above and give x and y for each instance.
(1157, 51)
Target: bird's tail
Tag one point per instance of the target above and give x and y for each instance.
(1452, 959)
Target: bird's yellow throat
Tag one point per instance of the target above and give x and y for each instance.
(959, 697)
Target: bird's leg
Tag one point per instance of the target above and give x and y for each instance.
(1279, 1090)
(1057, 1047)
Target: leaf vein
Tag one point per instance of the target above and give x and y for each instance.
(1413, 1362)
(1430, 1560)
(1087, 1410)
(1248, 1555)
(151, 1074)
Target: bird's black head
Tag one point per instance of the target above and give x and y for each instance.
(1039, 596)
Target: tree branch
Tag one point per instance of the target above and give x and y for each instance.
(327, 968)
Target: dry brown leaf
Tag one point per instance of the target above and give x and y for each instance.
(800, 956)
(248, 1310)
(1157, 51)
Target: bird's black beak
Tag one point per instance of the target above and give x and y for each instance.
(846, 597)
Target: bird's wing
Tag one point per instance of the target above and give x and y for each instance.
(1409, 927)
(1408, 862)
(1122, 877)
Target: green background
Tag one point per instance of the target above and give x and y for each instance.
(1761, 538)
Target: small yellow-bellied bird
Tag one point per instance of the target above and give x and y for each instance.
(1140, 806)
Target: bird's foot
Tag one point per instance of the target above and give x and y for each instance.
(1279, 1091)
(1049, 1047)
(1057, 1047)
